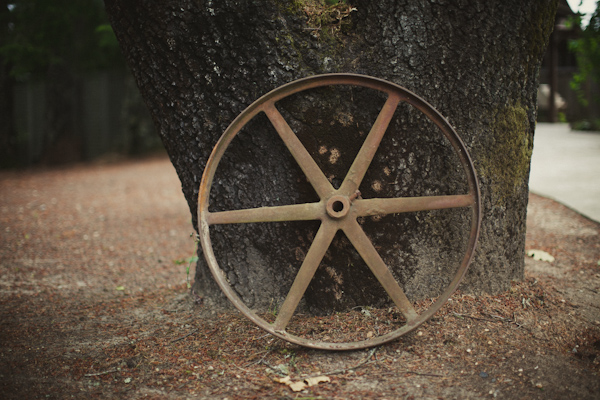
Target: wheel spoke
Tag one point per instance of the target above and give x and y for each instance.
(294, 212)
(369, 148)
(309, 266)
(301, 155)
(368, 207)
(367, 251)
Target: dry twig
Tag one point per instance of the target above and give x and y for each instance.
(184, 336)
(475, 318)
(110, 371)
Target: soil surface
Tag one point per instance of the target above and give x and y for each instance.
(94, 304)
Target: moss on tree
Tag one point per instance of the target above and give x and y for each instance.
(507, 163)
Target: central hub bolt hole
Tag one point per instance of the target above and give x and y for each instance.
(337, 206)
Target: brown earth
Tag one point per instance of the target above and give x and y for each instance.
(94, 304)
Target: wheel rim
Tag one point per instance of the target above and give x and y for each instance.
(338, 209)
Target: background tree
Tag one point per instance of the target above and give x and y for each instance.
(199, 64)
(587, 50)
(8, 134)
(54, 41)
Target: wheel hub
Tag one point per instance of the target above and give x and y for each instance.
(338, 206)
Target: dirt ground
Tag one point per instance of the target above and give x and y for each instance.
(94, 304)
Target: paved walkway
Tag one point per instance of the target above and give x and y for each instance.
(565, 166)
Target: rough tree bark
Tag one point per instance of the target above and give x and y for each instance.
(198, 64)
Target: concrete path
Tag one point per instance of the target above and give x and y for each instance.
(565, 166)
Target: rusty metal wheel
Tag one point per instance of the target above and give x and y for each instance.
(338, 209)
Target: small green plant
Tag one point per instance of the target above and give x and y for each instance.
(189, 262)
(273, 308)
(291, 359)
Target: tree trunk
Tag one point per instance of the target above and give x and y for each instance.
(9, 156)
(198, 64)
(62, 141)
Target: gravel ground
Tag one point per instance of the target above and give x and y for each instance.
(93, 228)
(94, 304)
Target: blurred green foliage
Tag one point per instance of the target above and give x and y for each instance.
(587, 51)
(37, 34)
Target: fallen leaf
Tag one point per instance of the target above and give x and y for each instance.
(300, 385)
(297, 386)
(120, 288)
(540, 255)
(316, 380)
(287, 380)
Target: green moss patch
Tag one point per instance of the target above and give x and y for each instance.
(506, 162)
(325, 18)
